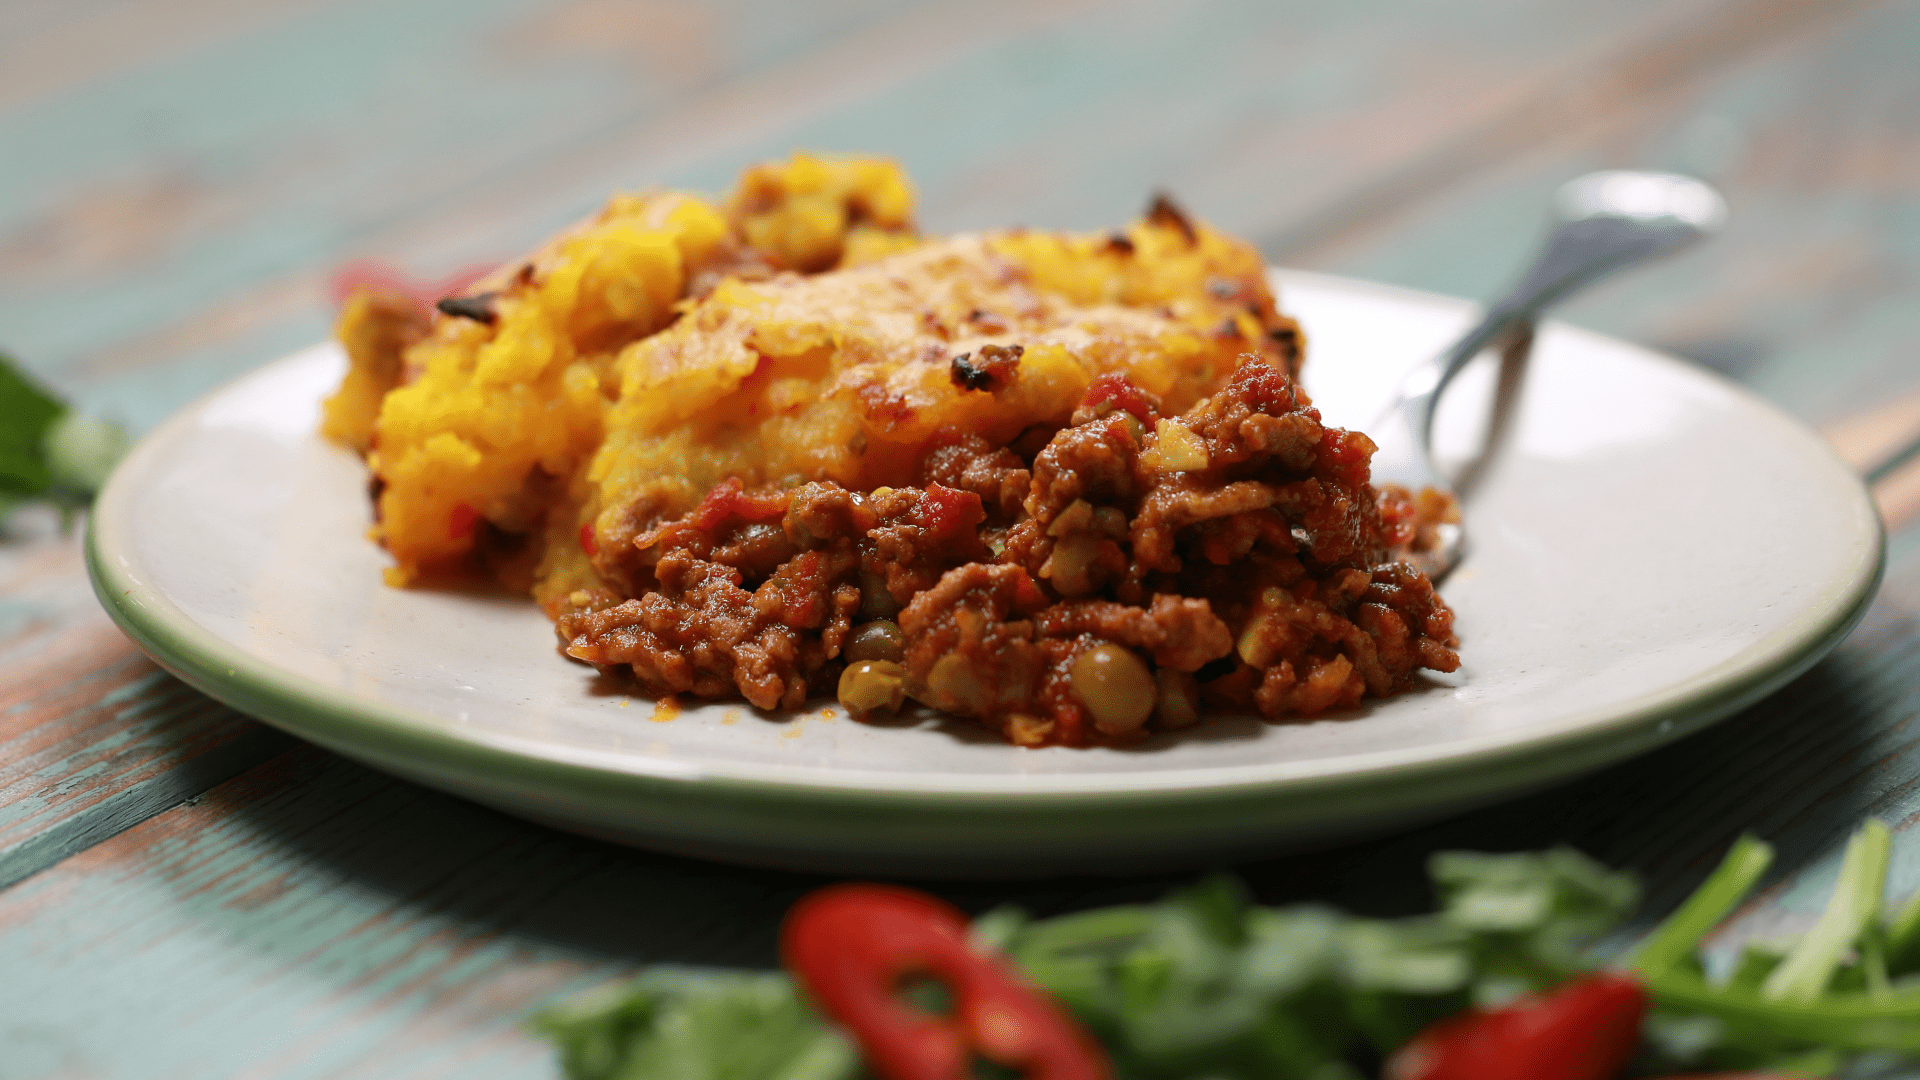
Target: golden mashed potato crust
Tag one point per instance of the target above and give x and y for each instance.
(798, 331)
(781, 446)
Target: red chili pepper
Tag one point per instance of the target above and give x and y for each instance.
(1583, 1030)
(851, 946)
(587, 543)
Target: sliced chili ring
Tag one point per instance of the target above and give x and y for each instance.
(853, 946)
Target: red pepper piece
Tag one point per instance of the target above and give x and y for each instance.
(1266, 387)
(850, 946)
(1398, 516)
(943, 511)
(730, 500)
(461, 521)
(1120, 391)
(587, 542)
(1583, 1030)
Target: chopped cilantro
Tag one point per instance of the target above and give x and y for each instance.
(694, 1025)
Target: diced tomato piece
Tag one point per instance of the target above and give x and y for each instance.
(1344, 456)
(1027, 597)
(850, 947)
(729, 500)
(461, 522)
(1118, 390)
(801, 587)
(1264, 386)
(1584, 1030)
(1397, 516)
(944, 511)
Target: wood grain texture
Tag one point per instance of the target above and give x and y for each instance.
(62, 46)
(1898, 497)
(1267, 120)
(1066, 113)
(1617, 83)
(1869, 441)
(1883, 444)
(1807, 297)
(93, 737)
(315, 919)
(182, 174)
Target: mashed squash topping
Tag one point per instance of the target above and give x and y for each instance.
(738, 447)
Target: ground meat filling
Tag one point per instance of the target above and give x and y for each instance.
(1131, 570)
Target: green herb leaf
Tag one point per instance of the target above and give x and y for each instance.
(1903, 939)
(1847, 1022)
(1529, 917)
(1806, 1007)
(687, 1025)
(47, 451)
(81, 452)
(1685, 929)
(1855, 905)
(27, 411)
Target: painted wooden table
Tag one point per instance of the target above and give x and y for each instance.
(186, 893)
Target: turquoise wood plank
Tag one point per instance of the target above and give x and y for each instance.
(1808, 297)
(93, 737)
(1056, 134)
(1069, 117)
(314, 919)
(243, 157)
(53, 45)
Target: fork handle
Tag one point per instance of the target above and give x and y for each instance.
(1576, 254)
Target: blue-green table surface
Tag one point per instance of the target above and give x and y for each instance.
(186, 893)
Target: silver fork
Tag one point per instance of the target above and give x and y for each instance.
(1606, 221)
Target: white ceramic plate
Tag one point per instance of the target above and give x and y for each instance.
(1652, 549)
